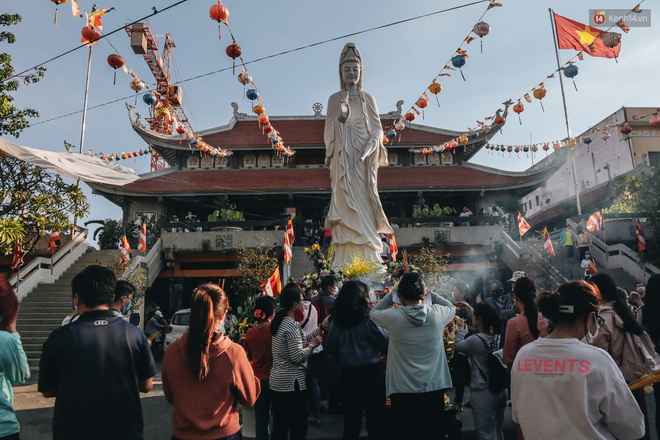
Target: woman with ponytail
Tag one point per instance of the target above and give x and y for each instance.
(618, 319)
(562, 387)
(206, 375)
(287, 376)
(528, 326)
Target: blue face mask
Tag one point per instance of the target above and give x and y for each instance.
(126, 308)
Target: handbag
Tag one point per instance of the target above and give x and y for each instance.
(639, 357)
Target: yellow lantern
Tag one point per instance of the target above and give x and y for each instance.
(259, 109)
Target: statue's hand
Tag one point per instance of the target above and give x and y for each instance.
(371, 148)
(344, 109)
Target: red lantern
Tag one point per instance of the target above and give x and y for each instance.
(625, 130)
(499, 120)
(519, 108)
(267, 128)
(422, 102)
(263, 118)
(409, 117)
(181, 129)
(219, 13)
(116, 62)
(234, 51)
(90, 35)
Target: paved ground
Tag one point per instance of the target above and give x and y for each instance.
(36, 414)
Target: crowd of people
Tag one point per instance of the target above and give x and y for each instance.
(567, 349)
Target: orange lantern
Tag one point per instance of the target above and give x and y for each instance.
(91, 35)
(259, 109)
(519, 108)
(540, 94)
(422, 102)
(463, 139)
(435, 88)
(181, 129)
(409, 117)
(116, 62)
(219, 13)
(57, 3)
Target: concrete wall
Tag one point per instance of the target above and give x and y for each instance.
(220, 240)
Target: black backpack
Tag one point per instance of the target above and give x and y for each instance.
(498, 375)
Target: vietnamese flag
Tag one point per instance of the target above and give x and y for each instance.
(578, 36)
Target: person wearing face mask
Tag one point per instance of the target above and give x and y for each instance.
(325, 300)
(121, 303)
(206, 375)
(287, 379)
(618, 319)
(584, 393)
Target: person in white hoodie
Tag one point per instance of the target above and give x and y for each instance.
(564, 388)
(417, 370)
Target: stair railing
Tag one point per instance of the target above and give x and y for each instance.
(48, 270)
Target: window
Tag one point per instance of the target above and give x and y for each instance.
(654, 158)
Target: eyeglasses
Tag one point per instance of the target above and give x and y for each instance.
(599, 320)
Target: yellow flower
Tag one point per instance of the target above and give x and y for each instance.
(306, 250)
(316, 247)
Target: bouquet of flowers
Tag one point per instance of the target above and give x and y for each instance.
(449, 337)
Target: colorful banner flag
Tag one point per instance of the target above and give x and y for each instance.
(394, 249)
(273, 285)
(523, 226)
(125, 251)
(289, 231)
(595, 222)
(592, 268)
(54, 241)
(142, 240)
(578, 36)
(641, 242)
(287, 249)
(75, 9)
(17, 260)
(547, 243)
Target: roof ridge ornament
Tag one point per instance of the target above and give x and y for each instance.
(318, 108)
(237, 114)
(396, 113)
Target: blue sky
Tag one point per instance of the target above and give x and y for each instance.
(399, 63)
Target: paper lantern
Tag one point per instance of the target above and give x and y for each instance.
(534, 148)
(399, 125)
(57, 3)
(556, 146)
(181, 129)
(391, 134)
(463, 139)
(499, 120)
(435, 88)
(422, 102)
(162, 112)
(244, 77)
(587, 140)
(116, 62)
(481, 29)
(571, 71)
(219, 12)
(252, 94)
(409, 117)
(91, 34)
(519, 108)
(625, 130)
(149, 99)
(655, 121)
(540, 94)
(473, 135)
(263, 119)
(612, 39)
(136, 85)
(233, 51)
(259, 109)
(458, 61)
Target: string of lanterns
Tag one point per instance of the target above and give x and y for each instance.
(220, 13)
(569, 69)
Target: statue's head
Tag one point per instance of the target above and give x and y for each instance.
(350, 67)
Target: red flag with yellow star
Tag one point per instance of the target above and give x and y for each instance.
(578, 36)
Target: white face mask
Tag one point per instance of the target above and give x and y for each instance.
(334, 291)
(589, 337)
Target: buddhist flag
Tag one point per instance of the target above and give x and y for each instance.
(639, 234)
(394, 249)
(547, 243)
(125, 251)
(75, 9)
(142, 240)
(287, 249)
(54, 241)
(273, 285)
(578, 36)
(592, 268)
(523, 226)
(17, 260)
(595, 222)
(289, 231)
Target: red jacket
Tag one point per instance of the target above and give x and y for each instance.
(208, 409)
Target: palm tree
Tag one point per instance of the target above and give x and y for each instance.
(108, 234)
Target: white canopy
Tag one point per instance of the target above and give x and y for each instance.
(73, 165)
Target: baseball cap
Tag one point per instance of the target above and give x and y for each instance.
(517, 274)
(159, 313)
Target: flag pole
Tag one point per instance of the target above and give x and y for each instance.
(84, 122)
(563, 99)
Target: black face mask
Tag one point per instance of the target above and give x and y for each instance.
(497, 293)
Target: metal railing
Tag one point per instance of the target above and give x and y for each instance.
(48, 270)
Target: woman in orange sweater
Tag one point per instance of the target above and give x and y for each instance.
(206, 375)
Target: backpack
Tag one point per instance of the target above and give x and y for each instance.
(498, 375)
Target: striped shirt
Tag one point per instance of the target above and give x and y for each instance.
(289, 357)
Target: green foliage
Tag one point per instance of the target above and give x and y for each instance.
(137, 277)
(108, 234)
(641, 194)
(34, 201)
(13, 120)
(255, 265)
(434, 267)
(435, 211)
(226, 215)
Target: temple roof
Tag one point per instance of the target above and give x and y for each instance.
(282, 181)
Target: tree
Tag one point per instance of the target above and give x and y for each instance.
(641, 194)
(255, 266)
(34, 201)
(13, 120)
(108, 234)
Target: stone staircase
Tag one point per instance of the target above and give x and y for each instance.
(45, 307)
